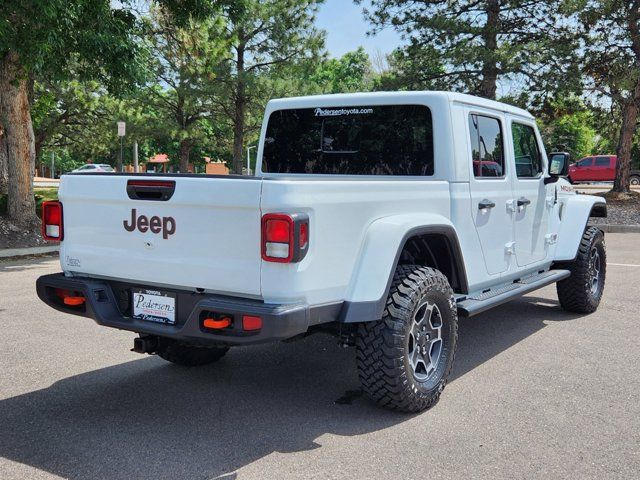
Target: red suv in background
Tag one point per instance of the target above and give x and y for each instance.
(599, 168)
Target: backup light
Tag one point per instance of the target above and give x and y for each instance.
(285, 237)
(52, 229)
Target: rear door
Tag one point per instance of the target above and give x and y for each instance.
(532, 200)
(491, 188)
(202, 233)
(603, 169)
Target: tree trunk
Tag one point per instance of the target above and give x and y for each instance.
(490, 38)
(4, 160)
(16, 115)
(240, 107)
(185, 150)
(629, 113)
(625, 140)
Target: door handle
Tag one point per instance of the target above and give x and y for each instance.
(523, 201)
(484, 204)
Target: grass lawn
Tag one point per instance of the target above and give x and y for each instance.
(47, 193)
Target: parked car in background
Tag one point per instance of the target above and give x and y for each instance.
(93, 168)
(486, 168)
(599, 168)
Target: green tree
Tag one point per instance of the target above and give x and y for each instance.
(611, 56)
(571, 132)
(263, 34)
(185, 61)
(413, 67)
(41, 39)
(472, 44)
(63, 112)
(350, 73)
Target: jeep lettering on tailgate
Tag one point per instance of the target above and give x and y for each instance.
(166, 225)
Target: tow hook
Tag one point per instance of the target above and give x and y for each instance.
(145, 344)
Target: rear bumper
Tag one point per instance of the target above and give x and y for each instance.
(107, 303)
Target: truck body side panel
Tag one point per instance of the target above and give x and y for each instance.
(341, 213)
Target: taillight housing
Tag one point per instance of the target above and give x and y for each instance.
(52, 225)
(285, 237)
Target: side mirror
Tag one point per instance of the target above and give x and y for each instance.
(558, 166)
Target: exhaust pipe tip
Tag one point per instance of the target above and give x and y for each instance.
(145, 344)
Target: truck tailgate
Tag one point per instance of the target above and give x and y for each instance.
(206, 235)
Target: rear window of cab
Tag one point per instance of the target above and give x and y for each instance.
(362, 140)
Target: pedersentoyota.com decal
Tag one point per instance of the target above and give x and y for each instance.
(332, 112)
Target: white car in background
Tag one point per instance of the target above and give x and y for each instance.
(93, 168)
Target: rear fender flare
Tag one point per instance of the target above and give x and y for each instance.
(384, 242)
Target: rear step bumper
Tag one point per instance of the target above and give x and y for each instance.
(278, 321)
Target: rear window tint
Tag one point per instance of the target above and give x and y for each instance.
(369, 140)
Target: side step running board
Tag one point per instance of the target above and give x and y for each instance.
(470, 306)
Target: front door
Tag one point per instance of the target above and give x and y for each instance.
(491, 189)
(583, 169)
(532, 203)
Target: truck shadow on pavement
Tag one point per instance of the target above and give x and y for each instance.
(149, 419)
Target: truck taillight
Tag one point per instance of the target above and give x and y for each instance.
(52, 228)
(285, 237)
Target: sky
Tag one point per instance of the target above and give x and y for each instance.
(346, 29)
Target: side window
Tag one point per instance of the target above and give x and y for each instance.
(526, 151)
(585, 162)
(487, 152)
(602, 162)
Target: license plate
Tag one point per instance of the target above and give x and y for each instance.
(154, 306)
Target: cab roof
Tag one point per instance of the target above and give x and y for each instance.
(381, 98)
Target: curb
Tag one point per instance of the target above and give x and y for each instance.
(617, 228)
(22, 252)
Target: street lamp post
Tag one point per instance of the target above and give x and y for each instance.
(249, 159)
(135, 157)
(121, 132)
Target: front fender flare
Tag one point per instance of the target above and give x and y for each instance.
(576, 210)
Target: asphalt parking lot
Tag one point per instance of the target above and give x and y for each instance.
(535, 393)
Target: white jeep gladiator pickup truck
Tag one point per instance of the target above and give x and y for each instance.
(377, 217)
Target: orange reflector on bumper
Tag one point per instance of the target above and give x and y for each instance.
(216, 324)
(73, 301)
